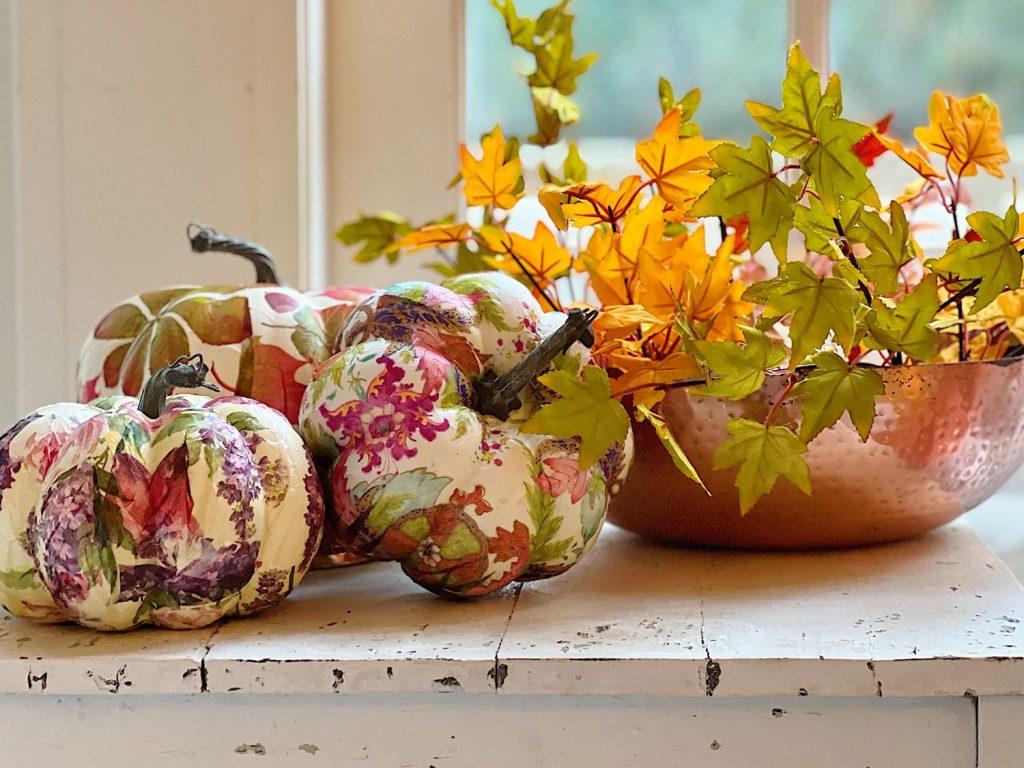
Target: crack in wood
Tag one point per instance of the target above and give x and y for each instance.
(499, 672)
(712, 670)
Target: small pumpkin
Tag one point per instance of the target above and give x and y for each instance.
(174, 511)
(422, 471)
(263, 341)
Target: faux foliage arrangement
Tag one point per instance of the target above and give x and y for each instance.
(815, 277)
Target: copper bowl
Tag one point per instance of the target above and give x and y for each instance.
(946, 437)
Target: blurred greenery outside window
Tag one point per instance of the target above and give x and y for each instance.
(890, 55)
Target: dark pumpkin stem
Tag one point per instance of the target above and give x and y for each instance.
(187, 372)
(499, 395)
(203, 239)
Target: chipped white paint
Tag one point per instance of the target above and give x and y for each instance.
(866, 654)
(937, 616)
(493, 731)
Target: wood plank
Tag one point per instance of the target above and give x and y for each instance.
(936, 615)
(1000, 737)
(366, 628)
(278, 731)
(68, 659)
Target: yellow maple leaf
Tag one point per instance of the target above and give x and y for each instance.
(966, 132)
(731, 316)
(593, 204)
(433, 236)
(491, 180)
(616, 322)
(913, 157)
(679, 167)
(540, 256)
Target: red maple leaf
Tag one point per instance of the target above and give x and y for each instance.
(870, 148)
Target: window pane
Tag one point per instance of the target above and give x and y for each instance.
(731, 49)
(893, 55)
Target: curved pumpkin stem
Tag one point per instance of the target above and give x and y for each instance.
(184, 372)
(203, 239)
(499, 396)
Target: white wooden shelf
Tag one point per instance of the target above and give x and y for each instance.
(929, 627)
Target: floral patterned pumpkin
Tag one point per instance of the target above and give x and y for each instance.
(263, 341)
(465, 501)
(169, 511)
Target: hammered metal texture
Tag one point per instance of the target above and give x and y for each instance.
(946, 437)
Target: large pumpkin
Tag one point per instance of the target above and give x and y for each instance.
(262, 341)
(172, 511)
(466, 501)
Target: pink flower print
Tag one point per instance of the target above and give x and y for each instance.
(388, 420)
(564, 475)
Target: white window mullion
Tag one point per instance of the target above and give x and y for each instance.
(808, 23)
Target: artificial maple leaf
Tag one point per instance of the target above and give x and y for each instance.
(494, 179)
(832, 165)
(819, 227)
(835, 387)
(870, 148)
(585, 409)
(820, 305)
(739, 370)
(905, 328)
(668, 440)
(539, 256)
(556, 67)
(792, 125)
(616, 322)
(679, 167)
(888, 245)
(966, 132)
(995, 261)
(730, 314)
(687, 106)
(593, 204)
(764, 454)
(645, 378)
(433, 236)
(377, 233)
(748, 184)
(914, 157)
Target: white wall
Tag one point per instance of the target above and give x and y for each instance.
(132, 119)
(8, 279)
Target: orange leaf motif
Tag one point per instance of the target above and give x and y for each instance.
(433, 236)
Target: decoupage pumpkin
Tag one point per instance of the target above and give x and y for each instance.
(174, 511)
(262, 341)
(466, 501)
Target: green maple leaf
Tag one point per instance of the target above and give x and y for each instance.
(556, 67)
(376, 232)
(792, 125)
(687, 106)
(521, 29)
(819, 227)
(995, 261)
(906, 328)
(746, 182)
(834, 387)
(573, 168)
(585, 409)
(668, 440)
(832, 165)
(888, 245)
(820, 305)
(764, 454)
(739, 370)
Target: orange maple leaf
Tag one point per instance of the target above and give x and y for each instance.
(593, 204)
(966, 132)
(491, 180)
(539, 256)
(678, 166)
(433, 236)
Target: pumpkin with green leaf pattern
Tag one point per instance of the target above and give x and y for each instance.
(262, 341)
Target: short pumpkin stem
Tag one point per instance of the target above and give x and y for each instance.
(203, 239)
(184, 372)
(499, 395)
